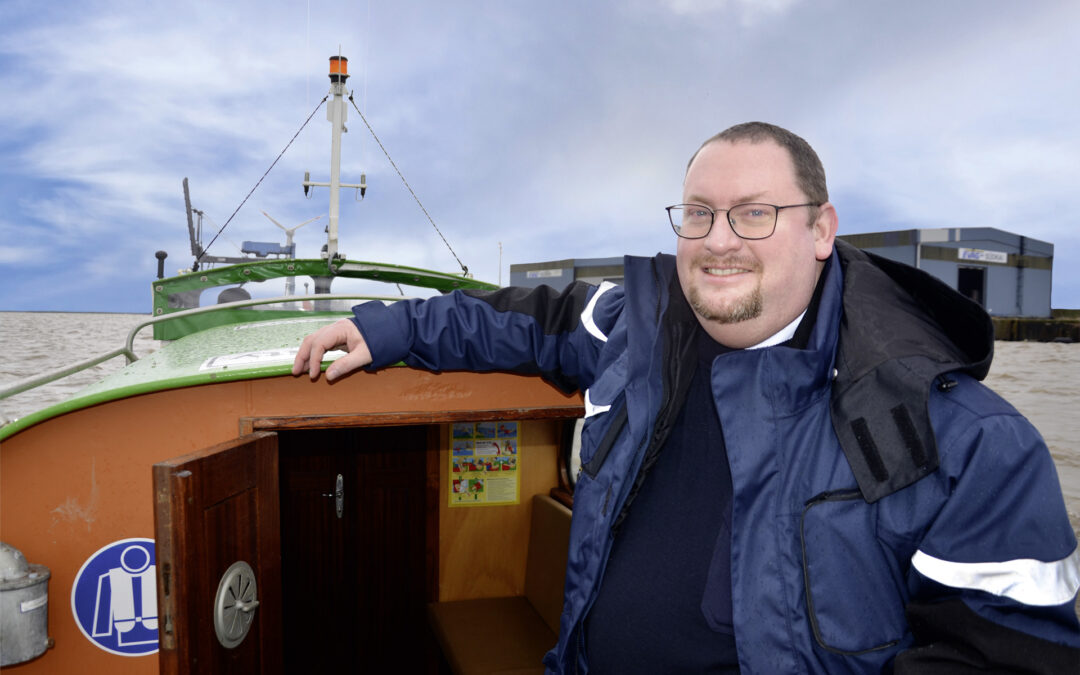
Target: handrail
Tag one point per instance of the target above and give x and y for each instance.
(128, 349)
(33, 382)
(251, 303)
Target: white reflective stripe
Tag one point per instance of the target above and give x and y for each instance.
(1032, 582)
(591, 409)
(586, 316)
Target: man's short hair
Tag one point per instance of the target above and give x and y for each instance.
(809, 173)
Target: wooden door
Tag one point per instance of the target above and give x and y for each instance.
(214, 508)
(356, 585)
(397, 539)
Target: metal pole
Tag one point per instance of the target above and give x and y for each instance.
(290, 282)
(336, 113)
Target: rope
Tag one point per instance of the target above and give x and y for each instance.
(430, 219)
(207, 247)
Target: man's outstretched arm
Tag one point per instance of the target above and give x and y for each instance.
(557, 335)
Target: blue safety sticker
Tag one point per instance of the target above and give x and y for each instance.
(114, 598)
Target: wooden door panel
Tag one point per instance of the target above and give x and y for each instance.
(213, 508)
(319, 553)
(394, 512)
(358, 586)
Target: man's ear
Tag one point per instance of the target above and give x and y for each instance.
(824, 228)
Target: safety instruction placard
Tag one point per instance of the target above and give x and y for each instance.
(114, 598)
(484, 463)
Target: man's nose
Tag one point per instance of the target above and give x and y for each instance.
(721, 237)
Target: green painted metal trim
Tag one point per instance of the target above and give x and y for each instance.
(263, 270)
(179, 364)
(80, 401)
(166, 290)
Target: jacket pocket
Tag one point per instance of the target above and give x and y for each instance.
(854, 589)
(605, 416)
(599, 434)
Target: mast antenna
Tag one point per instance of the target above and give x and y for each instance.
(336, 114)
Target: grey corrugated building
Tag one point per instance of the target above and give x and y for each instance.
(1008, 274)
(561, 273)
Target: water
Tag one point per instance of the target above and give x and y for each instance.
(1039, 379)
(34, 343)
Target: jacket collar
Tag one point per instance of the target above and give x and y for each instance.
(901, 329)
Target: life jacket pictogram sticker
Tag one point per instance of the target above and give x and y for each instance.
(114, 598)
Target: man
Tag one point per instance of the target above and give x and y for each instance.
(788, 464)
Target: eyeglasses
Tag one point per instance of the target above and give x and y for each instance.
(747, 221)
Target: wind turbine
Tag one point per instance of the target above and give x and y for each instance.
(290, 282)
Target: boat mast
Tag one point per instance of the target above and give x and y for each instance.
(336, 114)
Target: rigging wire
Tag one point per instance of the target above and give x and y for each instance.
(239, 249)
(259, 182)
(407, 186)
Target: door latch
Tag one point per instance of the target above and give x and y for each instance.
(338, 495)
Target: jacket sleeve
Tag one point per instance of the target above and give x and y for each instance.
(995, 577)
(523, 330)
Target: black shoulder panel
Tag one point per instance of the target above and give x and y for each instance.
(884, 428)
(901, 329)
(555, 312)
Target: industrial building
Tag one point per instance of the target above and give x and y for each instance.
(1008, 274)
(561, 273)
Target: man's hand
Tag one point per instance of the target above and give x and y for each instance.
(338, 335)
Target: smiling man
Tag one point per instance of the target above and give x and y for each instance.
(788, 462)
(747, 280)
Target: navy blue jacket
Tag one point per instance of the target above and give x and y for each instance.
(888, 510)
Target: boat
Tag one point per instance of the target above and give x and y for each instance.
(203, 511)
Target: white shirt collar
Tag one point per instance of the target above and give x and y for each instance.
(785, 334)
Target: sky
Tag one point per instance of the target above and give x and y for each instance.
(530, 131)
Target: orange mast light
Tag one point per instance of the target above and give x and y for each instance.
(339, 68)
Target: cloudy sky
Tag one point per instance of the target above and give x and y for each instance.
(555, 129)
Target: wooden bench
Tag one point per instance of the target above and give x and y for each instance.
(504, 636)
